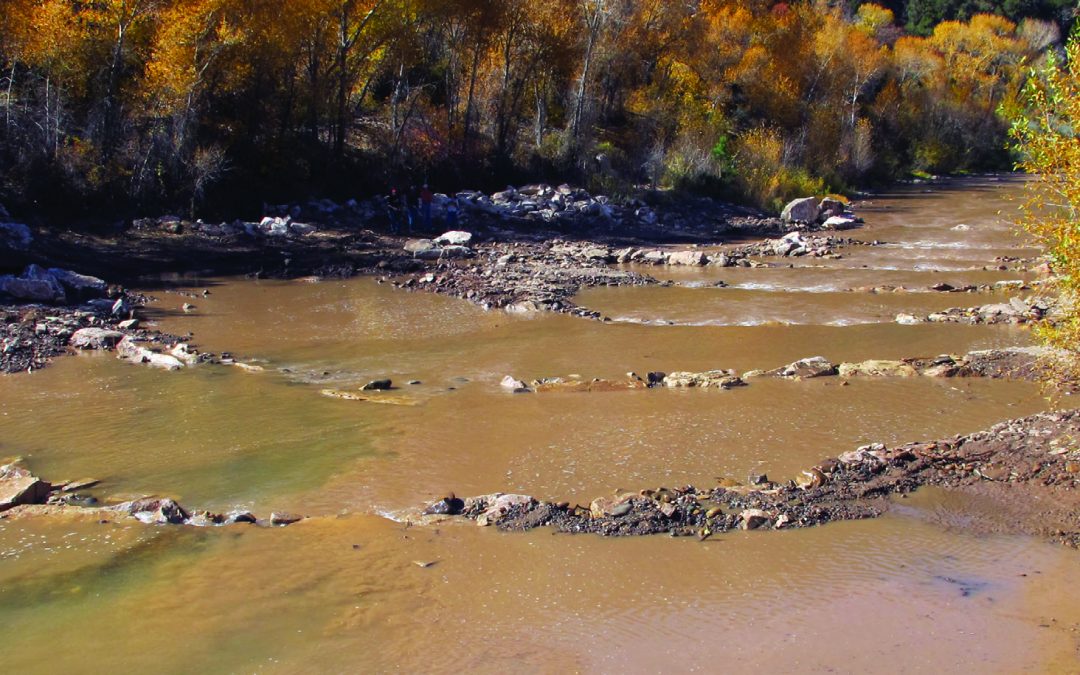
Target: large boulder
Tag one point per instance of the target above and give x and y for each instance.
(79, 286)
(19, 486)
(804, 210)
(32, 290)
(830, 207)
(95, 338)
(689, 258)
(654, 257)
(15, 236)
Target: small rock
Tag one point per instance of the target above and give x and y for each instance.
(282, 518)
(378, 385)
(877, 368)
(512, 384)
(19, 486)
(908, 319)
(447, 506)
(815, 366)
(154, 510)
(752, 519)
(454, 238)
(240, 517)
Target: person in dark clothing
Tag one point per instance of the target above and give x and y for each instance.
(452, 209)
(412, 207)
(393, 211)
(425, 206)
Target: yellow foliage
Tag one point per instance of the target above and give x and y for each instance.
(1047, 136)
(763, 174)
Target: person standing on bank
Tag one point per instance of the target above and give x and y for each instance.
(393, 210)
(412, 205)
(408, 211)
(452, 214)
(425, 206)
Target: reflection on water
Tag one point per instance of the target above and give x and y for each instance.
(343, 592)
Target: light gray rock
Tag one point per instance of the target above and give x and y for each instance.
(154, 511)
(815, 366)
(804, 210)
(877, 368)
(455, 251)
(715, 379)
(513, 384)
(417, 245)
(455, 238)
(32, 290)
(689, 258)
(95, 338)
(498, 505)
(908, 319)
(788, 244)
(596, 253)
(523, 307)
(79, 285)
(185, 354)
(839, 223)
(137, 352)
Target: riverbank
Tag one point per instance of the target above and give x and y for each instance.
(529, 249)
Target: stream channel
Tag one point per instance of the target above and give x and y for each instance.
(342, 591)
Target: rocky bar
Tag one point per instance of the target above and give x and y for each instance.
(1029, 467)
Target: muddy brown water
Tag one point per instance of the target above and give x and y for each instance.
(912, 591)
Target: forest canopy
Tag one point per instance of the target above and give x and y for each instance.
(119, 105)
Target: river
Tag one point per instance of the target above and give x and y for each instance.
(342, 591)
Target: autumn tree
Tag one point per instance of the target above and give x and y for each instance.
(1046, 134)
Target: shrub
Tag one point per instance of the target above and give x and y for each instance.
(1047, 137)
